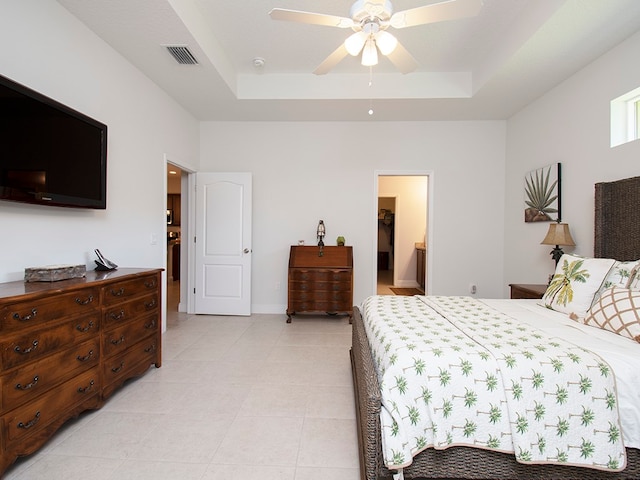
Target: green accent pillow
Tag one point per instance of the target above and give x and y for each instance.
(575, 284)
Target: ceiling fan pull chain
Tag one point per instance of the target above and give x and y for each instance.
(370, 84)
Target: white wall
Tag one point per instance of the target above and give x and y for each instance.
(50, 51)
(306, 171)
(569, 124)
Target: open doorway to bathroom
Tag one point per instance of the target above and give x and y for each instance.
(402, 233)
(174, 235)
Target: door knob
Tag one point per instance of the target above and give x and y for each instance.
(246, 250)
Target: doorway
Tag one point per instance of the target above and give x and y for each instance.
(401, 223)
(386, 237)
(174, 236)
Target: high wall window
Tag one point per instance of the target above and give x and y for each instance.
(625, 118)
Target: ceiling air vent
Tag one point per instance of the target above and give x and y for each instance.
(182, 54)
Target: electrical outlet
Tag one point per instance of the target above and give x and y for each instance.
(473, 289)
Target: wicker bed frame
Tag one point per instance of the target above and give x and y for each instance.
(617, 217)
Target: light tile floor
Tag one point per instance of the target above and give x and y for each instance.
(236, 398)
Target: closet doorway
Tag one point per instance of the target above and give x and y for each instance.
(402, 233)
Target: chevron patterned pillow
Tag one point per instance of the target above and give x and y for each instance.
(617, 310)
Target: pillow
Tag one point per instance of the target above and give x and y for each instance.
(620, 274)
(634, 280)
(575, 283)
(617, 310)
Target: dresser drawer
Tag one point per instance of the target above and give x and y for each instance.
(312, 275)
(119, 366)
(339, 286)
(124, 290)
(28, 382)
(118, 339)
(22, 349)
(322, 296)
(35, 416)
(328, 306)
(33, 313)
(124, 312)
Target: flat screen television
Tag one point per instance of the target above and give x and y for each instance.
(50, 154)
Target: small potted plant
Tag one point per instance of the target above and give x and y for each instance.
(340, 241)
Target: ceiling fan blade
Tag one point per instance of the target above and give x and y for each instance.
(402, 59)
(437, 12)
(312, 18)
(332, 60)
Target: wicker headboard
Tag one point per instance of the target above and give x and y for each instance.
(617, 219)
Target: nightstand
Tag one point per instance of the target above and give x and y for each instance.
(527, 290)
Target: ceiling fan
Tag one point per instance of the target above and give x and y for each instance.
(370, 20)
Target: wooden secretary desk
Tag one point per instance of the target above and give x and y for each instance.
(320, 283)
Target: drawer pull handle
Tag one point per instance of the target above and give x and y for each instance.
(25, 351)
(80, 328)
(86, 357)
(117, 315)
(150, 305)
(117, 293)
(117, 369)
(26, 318)
(151, 283)
(150, 348)
(85, 302)
(150, 325)
(87, 388)
(33, 383)
(30, 423)
(117, 341)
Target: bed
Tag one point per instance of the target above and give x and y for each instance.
(617, 236)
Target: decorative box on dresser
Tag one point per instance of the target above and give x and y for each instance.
(66, 346)
(320, 283)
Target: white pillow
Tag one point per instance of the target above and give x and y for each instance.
(617, 310)
(575, 283)
(634, 281)
(620, 274)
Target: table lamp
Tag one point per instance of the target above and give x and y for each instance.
(558, 235)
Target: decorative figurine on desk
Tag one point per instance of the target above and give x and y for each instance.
(320, 234)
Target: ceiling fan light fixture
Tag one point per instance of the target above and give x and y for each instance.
(355, 42)
(386, 42)
(370, 54)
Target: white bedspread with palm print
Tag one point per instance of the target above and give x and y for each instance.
(455, 371)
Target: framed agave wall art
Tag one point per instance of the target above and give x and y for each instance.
(542, 194)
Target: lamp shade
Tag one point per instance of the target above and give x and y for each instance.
(370, 53)
(386, 42)
(355, 42)
(558, 234)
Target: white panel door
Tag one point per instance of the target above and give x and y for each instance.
(223, 244)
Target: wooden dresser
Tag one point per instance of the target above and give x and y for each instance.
(66, 346)
(320, 283)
